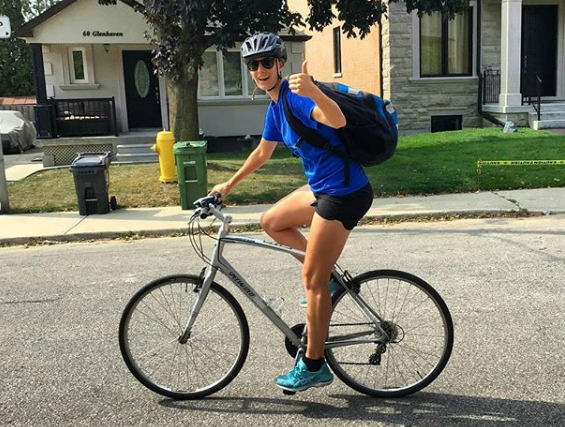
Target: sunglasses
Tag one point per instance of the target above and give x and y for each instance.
(267, 63)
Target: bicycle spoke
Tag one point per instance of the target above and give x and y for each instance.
(154, 350)
(159, 321)
(167, 309)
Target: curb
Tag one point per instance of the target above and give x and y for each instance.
(250, 226)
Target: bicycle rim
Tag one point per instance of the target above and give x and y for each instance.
(214, 354)
(420, 332)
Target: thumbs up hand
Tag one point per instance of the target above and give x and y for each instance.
(302, 83)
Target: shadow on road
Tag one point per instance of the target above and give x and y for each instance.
(421, 410)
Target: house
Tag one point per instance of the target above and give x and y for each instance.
(486, 65)
(93, 69)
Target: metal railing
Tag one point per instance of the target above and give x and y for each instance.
(527, 98)
(491, 86)
(85, 116)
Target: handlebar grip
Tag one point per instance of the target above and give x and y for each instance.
(213, 199)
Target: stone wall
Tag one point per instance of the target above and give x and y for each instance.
(519, 119)
(490, 52)
(418, 99)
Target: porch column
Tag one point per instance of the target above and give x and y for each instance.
(45, 123)
(511, 39)
(38, 73)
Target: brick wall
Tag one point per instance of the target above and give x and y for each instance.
(359, 58)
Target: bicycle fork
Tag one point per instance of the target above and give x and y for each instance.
(202, 289)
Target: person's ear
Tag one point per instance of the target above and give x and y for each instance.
(280, 67)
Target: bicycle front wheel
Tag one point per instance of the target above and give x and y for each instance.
(418, 341)
(150, 338)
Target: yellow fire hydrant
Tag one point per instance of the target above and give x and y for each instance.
(164, 148)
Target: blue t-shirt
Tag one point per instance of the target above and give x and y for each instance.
(324, 170)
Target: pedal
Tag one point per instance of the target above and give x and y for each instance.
(289, 393)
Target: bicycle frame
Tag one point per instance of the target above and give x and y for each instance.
(218, 262)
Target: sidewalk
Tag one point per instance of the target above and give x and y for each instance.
(20, 166)
(162, 221)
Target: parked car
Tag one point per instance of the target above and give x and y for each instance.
(17, 133)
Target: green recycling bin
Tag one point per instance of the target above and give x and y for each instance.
(190, 159)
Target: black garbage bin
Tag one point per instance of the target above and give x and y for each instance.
(92, 179)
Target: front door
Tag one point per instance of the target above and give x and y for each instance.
(539, 49)
(142, 90)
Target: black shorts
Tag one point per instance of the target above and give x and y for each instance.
(348, 209)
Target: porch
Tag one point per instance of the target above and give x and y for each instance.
(127, 147)
(523, 65)
(535, 111)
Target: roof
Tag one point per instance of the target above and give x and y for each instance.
(18, 100)
(26, 30)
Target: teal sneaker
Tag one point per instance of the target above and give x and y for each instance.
(300, 378)
(334, 286)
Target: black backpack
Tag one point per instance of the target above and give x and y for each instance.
(371, 132)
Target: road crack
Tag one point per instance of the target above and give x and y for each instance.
(513, 201)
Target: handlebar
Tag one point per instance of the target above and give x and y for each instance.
(205, 204)
(213, 199)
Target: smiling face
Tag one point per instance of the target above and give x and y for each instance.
(264, 71)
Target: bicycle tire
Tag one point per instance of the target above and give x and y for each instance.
(151, 318)
(356, 364)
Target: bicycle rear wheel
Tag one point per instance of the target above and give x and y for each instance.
(153, 322)
(419, 328)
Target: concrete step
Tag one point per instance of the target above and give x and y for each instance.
(556, 115)
(551, 108)
(135, 149)
(137, 158)
(548, 124)
(133, 138)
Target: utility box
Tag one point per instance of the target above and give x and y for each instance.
(91, 173)
(190, 158)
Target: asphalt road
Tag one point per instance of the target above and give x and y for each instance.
(503, 279)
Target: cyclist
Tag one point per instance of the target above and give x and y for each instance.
(327, 203)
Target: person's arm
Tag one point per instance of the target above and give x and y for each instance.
(256, 159)
(326, 110)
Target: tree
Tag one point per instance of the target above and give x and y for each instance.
(182, 30)
(16, 77)
(32, 8)
(16, 72)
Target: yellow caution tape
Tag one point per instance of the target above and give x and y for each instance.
(519, 162)
(515, 163)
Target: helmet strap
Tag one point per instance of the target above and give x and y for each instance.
(279, 78)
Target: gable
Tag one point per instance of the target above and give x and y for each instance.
(85, 22)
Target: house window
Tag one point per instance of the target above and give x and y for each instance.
(446, 123)
(233, 81)
(208, 79)
(337, 50)
(77, 57)
(446, 45)
(225, 76)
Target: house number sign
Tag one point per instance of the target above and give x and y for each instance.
(88, 33)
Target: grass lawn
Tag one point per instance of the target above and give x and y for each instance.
(423, 164)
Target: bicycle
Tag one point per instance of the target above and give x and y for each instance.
(187, 337)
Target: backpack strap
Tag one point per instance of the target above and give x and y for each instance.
(312, 137)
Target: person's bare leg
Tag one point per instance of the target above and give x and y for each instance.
(325, 244)
(281, 221)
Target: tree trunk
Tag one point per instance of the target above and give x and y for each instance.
(184, 103)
